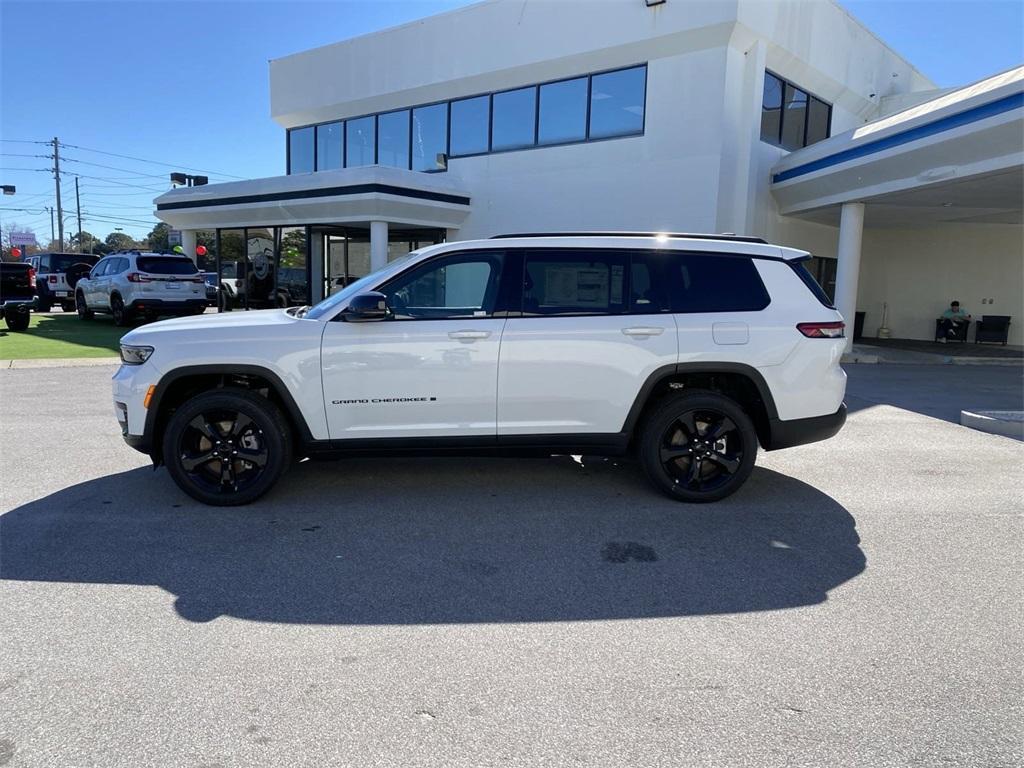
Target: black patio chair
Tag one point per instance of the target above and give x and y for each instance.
(959, 331)
(993, 329)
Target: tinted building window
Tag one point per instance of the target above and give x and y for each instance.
(429, 136)
(300, 150)
(794, 118)
(790, 117)
(717, 284)
(567, 283)
(393, 139)
(617, 102)
(514, 119)
(563, 112)
(329, 144)
(771, 109)
(359, 142)
(470, 119)
(818, 115)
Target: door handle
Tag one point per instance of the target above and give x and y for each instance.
(643, 331)
(468, 334)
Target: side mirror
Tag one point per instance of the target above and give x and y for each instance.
(365, 307)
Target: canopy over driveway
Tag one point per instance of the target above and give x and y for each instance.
(956, 158)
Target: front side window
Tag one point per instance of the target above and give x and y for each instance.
(563, 112)
(360, 142)
(469, 125)
(329, 145)
(429, 136)
(617, 103)
(575, 283)
(393, 139)
(448, 287)
(300, 150)
(514, 119)
(100, 269)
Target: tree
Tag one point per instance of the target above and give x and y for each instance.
(86, 239)
(158, 238)
(119, 241)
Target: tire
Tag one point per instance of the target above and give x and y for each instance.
(83, 309)
(685, 466)
(17, 321)
(245, 423)
(122, 315)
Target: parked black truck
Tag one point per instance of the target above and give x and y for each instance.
(17, 293)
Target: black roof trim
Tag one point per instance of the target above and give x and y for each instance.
(670, 235)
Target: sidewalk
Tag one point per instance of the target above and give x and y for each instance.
(59, 362)
(923, 355)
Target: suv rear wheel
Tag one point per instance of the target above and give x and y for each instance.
(83, 309)
(227, 447)
(698, 446)
(122, 316)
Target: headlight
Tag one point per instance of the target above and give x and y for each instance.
(132, 355)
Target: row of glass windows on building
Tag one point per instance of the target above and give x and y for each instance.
(586, 108)
(790, 117)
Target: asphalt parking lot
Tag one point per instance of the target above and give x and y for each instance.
(856, 603)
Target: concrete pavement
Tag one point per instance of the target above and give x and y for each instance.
(857, 603)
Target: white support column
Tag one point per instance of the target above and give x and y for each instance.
(316, 262)
(378, 245)
(188, 243)
(851, 231)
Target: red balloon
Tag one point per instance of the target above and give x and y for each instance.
(15, 253)
(200, 250)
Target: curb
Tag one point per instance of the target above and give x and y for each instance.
(1006, 423)
(58, 362)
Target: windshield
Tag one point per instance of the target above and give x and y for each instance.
(328, 305)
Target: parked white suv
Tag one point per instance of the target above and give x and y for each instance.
(686, 351)
(129, 283)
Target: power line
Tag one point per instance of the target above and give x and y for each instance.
(22, 141)
(153, 162)
(114, 168)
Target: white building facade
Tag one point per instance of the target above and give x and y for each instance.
(785, 120)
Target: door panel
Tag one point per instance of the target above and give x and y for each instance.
(411, 378)
(429, 370)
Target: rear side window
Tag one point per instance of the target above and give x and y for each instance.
(166, 265)
(575, 283)
(811, 283)
(717, 283)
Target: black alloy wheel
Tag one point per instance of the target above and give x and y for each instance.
(122, 316)
(699, 446)
(83, 309)
(227, 447)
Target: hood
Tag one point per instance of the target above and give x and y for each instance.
(221, 324)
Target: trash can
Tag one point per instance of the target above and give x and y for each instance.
(858, 325)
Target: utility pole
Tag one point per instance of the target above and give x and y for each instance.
(50, 209)
(56, 178)
(78, 210)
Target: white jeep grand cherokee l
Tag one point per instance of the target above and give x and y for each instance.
(687, 351)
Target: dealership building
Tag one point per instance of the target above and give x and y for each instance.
(789, 121)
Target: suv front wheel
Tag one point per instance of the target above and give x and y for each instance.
(227, 447)
(698, 446)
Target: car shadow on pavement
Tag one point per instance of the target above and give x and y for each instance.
(412, 541)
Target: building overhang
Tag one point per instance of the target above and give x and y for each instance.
(346, 196)
(958, 157)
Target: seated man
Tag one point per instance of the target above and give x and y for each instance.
(951, 321)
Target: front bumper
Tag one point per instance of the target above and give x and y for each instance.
(786, 434)
(129, 387)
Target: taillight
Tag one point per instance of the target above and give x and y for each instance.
(52, 279)
(135, 277)
(832, 330)
(32, 277)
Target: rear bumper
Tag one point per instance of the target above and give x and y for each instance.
(167, 307)
(786, 434)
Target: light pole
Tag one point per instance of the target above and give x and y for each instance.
(9, 189)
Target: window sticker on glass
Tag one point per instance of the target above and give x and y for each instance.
(576, 287)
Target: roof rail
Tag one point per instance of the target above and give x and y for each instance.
(669, 235)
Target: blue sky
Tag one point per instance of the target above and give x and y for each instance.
(186, 83)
